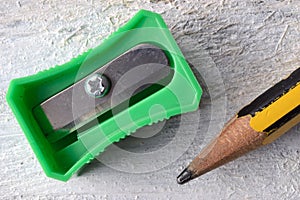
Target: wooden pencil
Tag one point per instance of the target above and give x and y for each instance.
(265, 119)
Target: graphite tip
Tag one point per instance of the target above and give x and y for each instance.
(185, 176)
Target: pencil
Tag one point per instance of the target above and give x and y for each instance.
(261, 122)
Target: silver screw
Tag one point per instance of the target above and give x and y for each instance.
(97, 85)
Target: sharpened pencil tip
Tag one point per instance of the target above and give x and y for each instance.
(185, 176)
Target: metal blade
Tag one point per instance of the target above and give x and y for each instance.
(123, 77)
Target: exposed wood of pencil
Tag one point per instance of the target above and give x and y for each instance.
(236, 139)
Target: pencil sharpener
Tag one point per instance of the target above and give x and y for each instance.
(136, 77)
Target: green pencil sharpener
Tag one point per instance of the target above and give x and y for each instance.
(136, 77)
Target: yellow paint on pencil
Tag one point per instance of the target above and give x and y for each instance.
(283, 129)
(276, 110)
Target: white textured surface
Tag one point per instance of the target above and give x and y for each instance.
(253, 45)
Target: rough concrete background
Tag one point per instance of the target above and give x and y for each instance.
(253, 45)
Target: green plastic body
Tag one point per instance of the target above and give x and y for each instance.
(181, 95)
